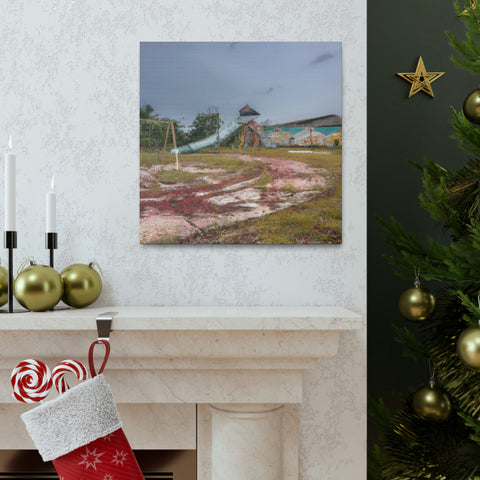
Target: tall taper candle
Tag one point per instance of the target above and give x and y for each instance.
(51, 223)
(10, 188)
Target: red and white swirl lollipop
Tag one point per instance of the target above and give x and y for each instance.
(67, 366)
(31, 381)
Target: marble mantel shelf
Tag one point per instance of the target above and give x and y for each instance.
(189, 318)
(242, 366)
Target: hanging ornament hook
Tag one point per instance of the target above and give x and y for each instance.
(416, 271)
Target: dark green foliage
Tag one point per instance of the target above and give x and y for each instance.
(152, 134)
(412, 448)
(205, 124)
(468, 50)
(412, 347)
(416, 449)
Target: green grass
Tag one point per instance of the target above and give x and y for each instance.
(289, 189)
(263, 180)
(176, 176)
(318, 221)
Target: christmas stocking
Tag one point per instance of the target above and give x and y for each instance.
(80, 431)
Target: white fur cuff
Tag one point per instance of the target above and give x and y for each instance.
(74, 419)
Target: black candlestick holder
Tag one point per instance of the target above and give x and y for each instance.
(10, 242)
(51, 243)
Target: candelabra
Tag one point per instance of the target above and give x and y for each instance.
(51, 243)
(10, 242)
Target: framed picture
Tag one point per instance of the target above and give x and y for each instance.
(240, 143)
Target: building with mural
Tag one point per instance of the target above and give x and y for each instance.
(318, 131)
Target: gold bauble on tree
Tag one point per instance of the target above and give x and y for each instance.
(471, 106)
(38, 287)
(3, 286)
(468, 347)
(431, 403)
(417, 303)
(82, 285)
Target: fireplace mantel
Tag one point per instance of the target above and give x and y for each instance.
(243, 366)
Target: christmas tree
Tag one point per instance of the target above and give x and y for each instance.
(436, 434)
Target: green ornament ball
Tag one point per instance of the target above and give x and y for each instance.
(471, 106)
(432, 404)
(82, 285)
(38, 288)
(468, 347)
(3, 286)
(417, 304)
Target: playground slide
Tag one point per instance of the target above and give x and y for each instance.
(224, 133)
(261, 133)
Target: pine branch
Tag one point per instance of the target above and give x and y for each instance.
(474, 424)
(467, 51)
(457, 263)
(421, 450)
(412, 348)
(467, 137)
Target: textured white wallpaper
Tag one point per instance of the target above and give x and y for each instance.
(69, 89)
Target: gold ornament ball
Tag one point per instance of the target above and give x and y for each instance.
(38, 288)
(417, 304)
(82, 285)
(471, 106)
(432, 404)
(3, 286)
(468, 347)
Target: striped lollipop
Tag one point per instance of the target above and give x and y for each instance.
(67, 366)
(31, 381)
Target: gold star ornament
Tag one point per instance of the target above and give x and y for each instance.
(421, 80)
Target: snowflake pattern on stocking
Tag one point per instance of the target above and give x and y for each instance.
(91, 458)
(108, 438)
(101, 459)
(119, 458)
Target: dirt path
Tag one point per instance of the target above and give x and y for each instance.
(219, 198)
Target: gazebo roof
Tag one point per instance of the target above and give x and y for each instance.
(247, 111)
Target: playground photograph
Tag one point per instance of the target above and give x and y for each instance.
(240, 143)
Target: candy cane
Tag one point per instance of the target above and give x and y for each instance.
(64, 367)
(31, 381)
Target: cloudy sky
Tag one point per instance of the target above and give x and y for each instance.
(282, 81)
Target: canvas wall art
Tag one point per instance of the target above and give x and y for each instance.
(240, 143)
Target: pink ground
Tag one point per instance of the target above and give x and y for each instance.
(222, 197)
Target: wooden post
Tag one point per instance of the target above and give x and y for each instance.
(218, 132)
(166, 138)
(174, 143)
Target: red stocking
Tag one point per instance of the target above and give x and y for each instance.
(81, 432)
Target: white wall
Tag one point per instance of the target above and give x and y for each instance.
(69, 86)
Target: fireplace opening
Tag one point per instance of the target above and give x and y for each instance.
(155, 464)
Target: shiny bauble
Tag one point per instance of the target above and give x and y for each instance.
(417, 304)
(38, 288)
(432, 404)
(3, 286)
(471, 106)
(468, 347)
(82, 285)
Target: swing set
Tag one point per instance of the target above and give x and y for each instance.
(170, 126)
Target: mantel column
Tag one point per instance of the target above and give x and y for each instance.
(247, 442)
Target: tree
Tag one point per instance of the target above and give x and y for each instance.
(412, 447)
(205, 124)
(146, 112)
(152, 134)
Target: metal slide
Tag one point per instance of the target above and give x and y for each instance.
(223, 133)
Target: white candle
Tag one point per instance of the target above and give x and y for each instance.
(10, 188)
(51, 224)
